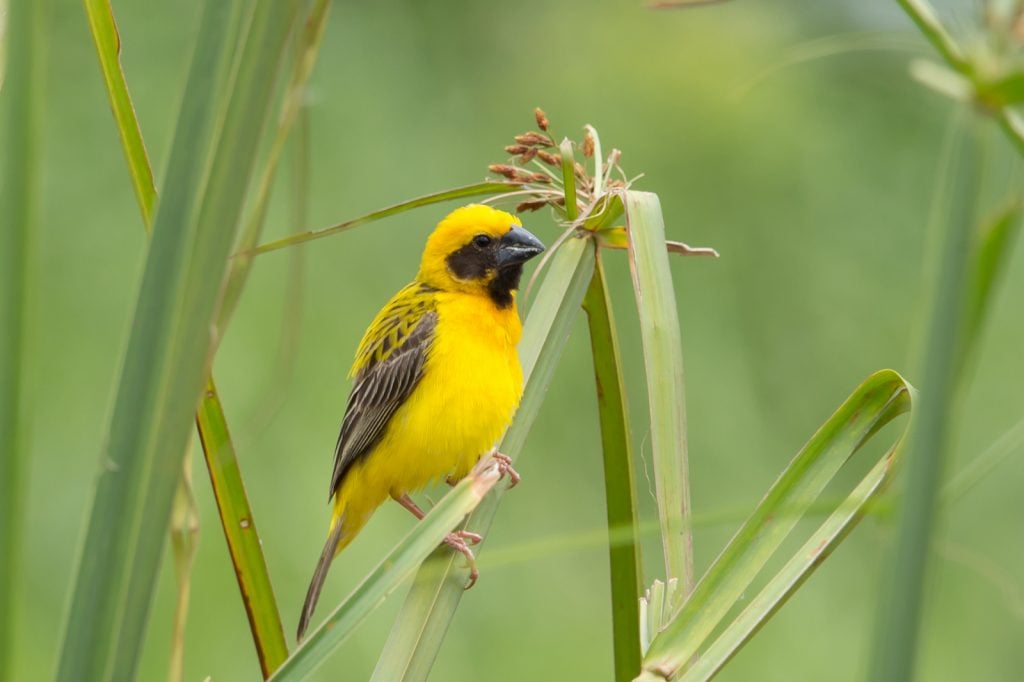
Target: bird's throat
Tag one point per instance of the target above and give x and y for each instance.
(504, 283)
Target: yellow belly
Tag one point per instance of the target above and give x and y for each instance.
(470, 389)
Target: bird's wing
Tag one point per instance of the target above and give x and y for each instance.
(388, 366)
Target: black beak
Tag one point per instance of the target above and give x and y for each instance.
(517, 246)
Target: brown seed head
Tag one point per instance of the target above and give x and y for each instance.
(542, 118)
(516, 148)
(542, 178)
(534, 205)
(533, 138)
(588, 145)
(528, 155)
(549, 158)
(509, 172)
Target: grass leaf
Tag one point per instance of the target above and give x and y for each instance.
(19, 177)
(620, 488)
(882, 397)
(108, 48)
(168, 349)
(663, 365)
(390, 572)
(437, 588)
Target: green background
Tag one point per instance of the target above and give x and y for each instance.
(812, 176)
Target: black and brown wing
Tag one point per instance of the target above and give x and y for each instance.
(389, 364)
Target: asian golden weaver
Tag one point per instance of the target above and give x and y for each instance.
(437, 378)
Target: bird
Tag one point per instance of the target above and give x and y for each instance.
(437, 380)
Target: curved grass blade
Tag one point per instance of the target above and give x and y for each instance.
(623, 520)
(389, 574)
(168, 350)
(437, 589)
(882, 397)
(240, 532)
(663, 364)
(108, 48)
(479, 189)
(19, 125)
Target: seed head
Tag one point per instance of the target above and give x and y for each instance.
(588, 145)
(528, 155)
(533, 139)
(549, 158)
(542, 119)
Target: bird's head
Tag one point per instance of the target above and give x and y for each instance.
(478, 249)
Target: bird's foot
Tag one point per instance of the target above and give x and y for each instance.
(505, 469)
(457, 541)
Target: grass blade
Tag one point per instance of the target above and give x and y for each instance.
(663, 365)
(623, 521)
(168, 350)
(993, 251)
(881, 398)
(437, 589)
(108, 48)
(19, 120)
(307, 51)
(240, 532)
(947, 341)
(389, 574)
(479, 189)
(229, 489)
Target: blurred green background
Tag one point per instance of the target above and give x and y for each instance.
(812, 177)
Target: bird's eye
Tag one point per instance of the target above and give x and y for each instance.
(482, 241)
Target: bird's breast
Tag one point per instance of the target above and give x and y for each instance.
(469, 392)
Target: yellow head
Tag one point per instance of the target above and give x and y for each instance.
(478, 249)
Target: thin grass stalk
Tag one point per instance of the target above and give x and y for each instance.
(475, 190)
(900, 609)
(438, 587)
(168, 350)
(620, 488)
(253, 576)
(663, 365)
(184, 544)
(19, 124)
(307, 49)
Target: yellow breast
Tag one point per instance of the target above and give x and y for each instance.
(470, 389)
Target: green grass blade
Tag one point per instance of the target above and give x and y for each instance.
(479, 189)
(798, 569)
(108, 48)
(663, 365)
(307, 51)
(233, 505)
(19, 122)
(995, 246)
(946, 343)
(389, 573)
(168, 349)
(436, 591)
(881, 398)
(623, 520)
(240, 532)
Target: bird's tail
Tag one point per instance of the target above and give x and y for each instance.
(331, 547)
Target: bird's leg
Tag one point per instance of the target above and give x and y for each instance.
(505, 468)
(458, 536)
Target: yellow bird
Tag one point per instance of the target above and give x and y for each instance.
(437, 379)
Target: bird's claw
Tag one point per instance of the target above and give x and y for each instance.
(505, 469)
(456, 541)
